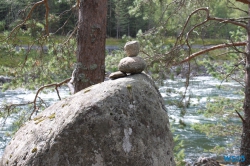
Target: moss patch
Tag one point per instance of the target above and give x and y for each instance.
(52, 116)
(39, 120)
(87, 90)
(129, 87)
(34, 150)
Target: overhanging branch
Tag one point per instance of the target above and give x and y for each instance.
(211, 49)
(45, 2)
(9, 107)
(46, 86)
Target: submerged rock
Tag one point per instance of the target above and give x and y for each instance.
(115, 123)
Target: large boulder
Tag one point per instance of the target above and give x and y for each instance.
(115, 123)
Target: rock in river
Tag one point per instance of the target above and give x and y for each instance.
(119, 122)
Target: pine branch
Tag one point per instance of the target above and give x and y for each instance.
(45, 2)
(242, 119)
(56, 85)
(210, 49)
(46, 86)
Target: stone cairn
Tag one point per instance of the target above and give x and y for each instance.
(132, 64)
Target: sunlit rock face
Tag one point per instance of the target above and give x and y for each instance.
(132, 65)
(119, 122)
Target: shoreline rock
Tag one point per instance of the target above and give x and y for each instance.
(118, 122)
(5, 79)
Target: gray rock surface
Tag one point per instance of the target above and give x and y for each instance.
(132, 48)
(131, 65)
(205, 161)
(120, 122)
(117, 74)
(4, 79)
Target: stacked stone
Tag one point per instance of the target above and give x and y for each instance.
(132, 63)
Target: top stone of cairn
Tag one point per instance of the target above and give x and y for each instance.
(132, 48)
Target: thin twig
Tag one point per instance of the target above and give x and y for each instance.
(46, 86)
(242, 119)
(210, 49)
(27, 17)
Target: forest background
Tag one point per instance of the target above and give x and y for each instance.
(155, 24)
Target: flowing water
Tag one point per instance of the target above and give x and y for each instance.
(199, 90)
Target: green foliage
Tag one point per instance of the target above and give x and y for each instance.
(112, 61)
(126, 17)
(36, 67)
(2, 26)
(179, 154)
(227, 123)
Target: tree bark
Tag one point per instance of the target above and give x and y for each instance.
(91, 36)
(244, 1)
(245, 137)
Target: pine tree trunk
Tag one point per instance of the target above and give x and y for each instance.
(91, 38)
(245, 142)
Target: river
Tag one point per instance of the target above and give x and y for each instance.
(194, 142)
(202, 88)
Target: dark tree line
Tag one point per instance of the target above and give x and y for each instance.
(119, 21)
(123, 17)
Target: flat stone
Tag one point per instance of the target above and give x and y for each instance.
(132, 48)
(132, 65)
(117, 74)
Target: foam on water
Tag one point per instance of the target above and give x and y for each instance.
(199, 90)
